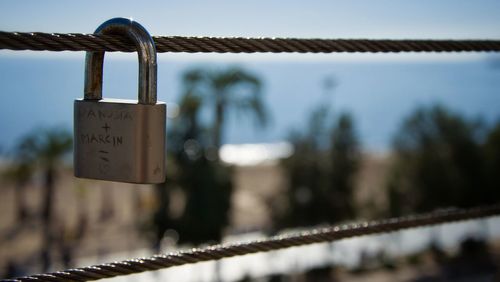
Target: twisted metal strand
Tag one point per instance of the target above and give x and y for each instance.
(39, 41)
(216, 252)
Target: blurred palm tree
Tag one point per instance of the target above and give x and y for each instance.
(193, 146)
(19, 173)
(47, 147)
(204, 181)
(228, 89)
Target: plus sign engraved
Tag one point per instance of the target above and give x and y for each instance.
(106, 127)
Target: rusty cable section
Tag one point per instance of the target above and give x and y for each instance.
(311, 236)
(39, 41)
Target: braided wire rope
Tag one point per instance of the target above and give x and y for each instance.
(311, 236)
(39, 41)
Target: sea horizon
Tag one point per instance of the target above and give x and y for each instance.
(376, 93)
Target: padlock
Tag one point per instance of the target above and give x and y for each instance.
(115, 139)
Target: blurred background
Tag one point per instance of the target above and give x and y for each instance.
(260, 144)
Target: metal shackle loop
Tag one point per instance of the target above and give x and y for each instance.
(146, 52)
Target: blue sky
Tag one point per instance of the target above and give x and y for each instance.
(326, 19)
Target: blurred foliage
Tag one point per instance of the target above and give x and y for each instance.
(193, 149)
(231, 89)
(443, 159)
(46, 147)
(204, 181)
(42, 149)
(19, 172)
(321, 172)
(491, 155)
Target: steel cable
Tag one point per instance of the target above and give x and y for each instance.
(39, 41)
(307, 237)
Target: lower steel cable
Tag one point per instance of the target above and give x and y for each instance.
(215, 252)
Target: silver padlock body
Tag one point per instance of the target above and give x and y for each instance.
(119, 140)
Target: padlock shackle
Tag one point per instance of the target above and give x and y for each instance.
(146, 52)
